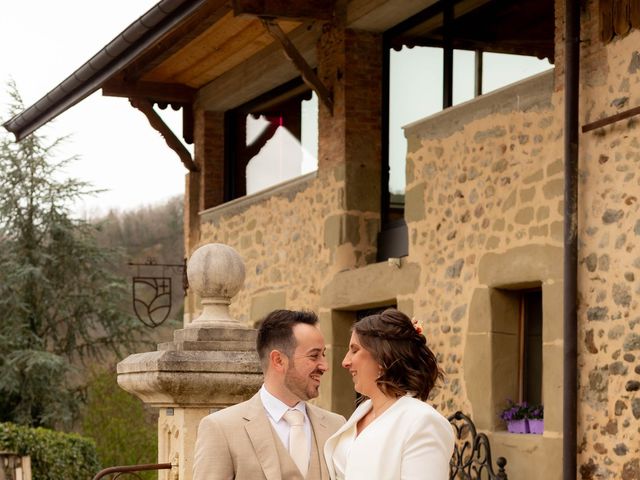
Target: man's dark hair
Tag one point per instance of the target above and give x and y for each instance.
(275, 332)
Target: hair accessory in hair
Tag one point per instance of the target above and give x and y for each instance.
(417, 325)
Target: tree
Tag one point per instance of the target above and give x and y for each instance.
(124, 429)
(58, 299)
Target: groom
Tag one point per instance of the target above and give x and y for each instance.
(275, 435)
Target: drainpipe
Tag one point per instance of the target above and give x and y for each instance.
(570, 317)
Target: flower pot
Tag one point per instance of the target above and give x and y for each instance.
(517, 426)
(536, 426)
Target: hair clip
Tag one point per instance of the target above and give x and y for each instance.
(417, 325)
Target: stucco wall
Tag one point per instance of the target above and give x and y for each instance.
(609, 314)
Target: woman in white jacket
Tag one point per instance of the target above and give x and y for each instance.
(394, 434)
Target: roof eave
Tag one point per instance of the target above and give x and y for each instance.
(115, 56)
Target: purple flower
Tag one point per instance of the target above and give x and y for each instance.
(519, 411)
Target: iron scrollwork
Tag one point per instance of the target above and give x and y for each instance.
(152, 295)
(471, 458)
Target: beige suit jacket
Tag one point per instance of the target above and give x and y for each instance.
(238, 442)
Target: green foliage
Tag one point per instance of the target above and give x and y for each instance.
(124, 430)
(59, 300)
(54, 455)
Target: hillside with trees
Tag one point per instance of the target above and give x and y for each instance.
(148, 234)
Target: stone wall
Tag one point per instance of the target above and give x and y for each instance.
(484, 208)
(609, 260)
(280, 236)
(485, 176)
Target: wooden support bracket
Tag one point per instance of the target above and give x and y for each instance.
(308, 75)
(146, 107)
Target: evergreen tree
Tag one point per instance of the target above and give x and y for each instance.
(58, 299)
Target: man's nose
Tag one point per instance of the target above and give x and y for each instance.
(323, 365)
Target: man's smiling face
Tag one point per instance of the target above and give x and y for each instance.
(308, 362)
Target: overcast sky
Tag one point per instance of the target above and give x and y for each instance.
(41, 43)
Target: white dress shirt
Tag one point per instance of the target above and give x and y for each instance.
(275, 412)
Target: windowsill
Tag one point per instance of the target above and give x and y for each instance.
(238, 205)
(533, 92)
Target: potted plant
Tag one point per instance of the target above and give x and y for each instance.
(535, 419)
(515, 416)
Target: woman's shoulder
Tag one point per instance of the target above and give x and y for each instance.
(424, 418)
(422, 410)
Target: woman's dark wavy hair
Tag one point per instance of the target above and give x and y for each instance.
(408, 365)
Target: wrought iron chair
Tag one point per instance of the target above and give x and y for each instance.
(471, 458)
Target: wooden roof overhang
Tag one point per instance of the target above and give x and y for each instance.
(219, 54)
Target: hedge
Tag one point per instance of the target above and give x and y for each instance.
(54, 455)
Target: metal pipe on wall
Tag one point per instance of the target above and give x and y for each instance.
(570, 316)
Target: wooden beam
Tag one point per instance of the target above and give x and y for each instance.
(621, 10)
(603, 122)
(308, 75)
(286, 9)
(172, 43)
(187, 123)
(157, 92)
(157, 123)
(261, 73)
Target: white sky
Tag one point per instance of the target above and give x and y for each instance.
(41, 43)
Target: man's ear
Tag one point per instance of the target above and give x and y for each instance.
(278, 360)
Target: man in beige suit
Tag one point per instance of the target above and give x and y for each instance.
(275, 435)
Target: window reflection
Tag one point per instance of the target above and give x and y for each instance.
(281, 144)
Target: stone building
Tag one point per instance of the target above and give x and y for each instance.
(526, 289)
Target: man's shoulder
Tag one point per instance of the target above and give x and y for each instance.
(331, 416)
(232, 414)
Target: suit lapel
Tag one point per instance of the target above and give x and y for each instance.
(321, 434)
(260, 433)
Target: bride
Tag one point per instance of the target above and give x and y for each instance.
(393, 434)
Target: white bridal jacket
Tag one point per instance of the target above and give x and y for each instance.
(409, 441)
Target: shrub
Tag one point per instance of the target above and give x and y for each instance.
(54, 455)
(124, 430)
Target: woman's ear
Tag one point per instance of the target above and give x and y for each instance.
(278, 360)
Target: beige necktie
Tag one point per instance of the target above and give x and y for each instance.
(298, 445)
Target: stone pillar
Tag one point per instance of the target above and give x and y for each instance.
(211, 363)
(349, 139)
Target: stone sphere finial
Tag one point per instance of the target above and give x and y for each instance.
(216, 273)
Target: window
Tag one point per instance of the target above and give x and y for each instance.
(519, 302)
(271, 139)
(443, 56)
(530, 347)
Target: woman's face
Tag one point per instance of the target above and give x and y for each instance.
(363, 368)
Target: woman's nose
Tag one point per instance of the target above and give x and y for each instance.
(346, 361)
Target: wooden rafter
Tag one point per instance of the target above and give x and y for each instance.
(308, 75)
(157, 92)
(207, 16)
(146, 107)
(286, 9)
